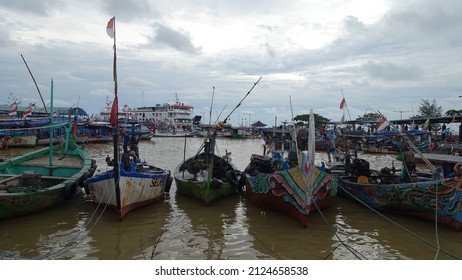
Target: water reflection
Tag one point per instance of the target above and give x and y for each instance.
(56, 232)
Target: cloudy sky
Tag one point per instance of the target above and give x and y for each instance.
(383, 55)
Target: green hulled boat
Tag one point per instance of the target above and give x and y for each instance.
(207, 176)
(43, 178)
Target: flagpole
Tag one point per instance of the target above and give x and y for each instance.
(115, 116)
(311, 155)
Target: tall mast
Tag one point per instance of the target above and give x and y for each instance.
(114, 117)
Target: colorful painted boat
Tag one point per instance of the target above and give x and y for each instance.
(293, 185)
(43, 178)
(416, 194)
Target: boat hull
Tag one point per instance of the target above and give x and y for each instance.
(224, 181)
(20, 141)
(286, 191)
(50, 186)
(204, 190)
(137, 189)
(158, 134)
(437, 200)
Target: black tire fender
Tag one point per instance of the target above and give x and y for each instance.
(69, 191)
(232, 178)
(168, 184)
(84, 177)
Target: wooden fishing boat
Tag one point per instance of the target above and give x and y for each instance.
(208, 176)
(18, 139)
(94, 133)
(43, 178)
(131, 183)
(22, 133)
(420, 194)
(435, 195)
(136, 128)
(294, 185)
(392, 142)
(165, 133)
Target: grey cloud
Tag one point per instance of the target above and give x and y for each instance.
(42, 8)
(130, 9)
(391, 71)
(173, 38)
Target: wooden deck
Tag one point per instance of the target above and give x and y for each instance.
(58, 160)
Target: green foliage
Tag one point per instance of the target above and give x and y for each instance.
(369, 117)
(452, 112)
(319, 121)
(427, 109)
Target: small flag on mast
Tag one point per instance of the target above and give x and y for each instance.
(110, 28)
(342, 103)
(113, 117)
(383, 123)
(12, 112)
(27, 113)
(426, 124)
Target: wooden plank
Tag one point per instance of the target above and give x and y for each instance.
(11, 178)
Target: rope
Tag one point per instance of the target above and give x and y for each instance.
(399, 226)
(436, 174)
(331, 227)
(66, 249)
(354, 252)
(434, 171)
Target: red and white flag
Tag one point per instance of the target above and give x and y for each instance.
(342, 103)
(12, 112)
(383, 123)
(27, 113)
(110, 29)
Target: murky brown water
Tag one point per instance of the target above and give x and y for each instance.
(180, 228)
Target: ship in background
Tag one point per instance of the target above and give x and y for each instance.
(174, 119)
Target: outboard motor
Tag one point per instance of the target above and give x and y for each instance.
(360, 167)
(31, 179)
